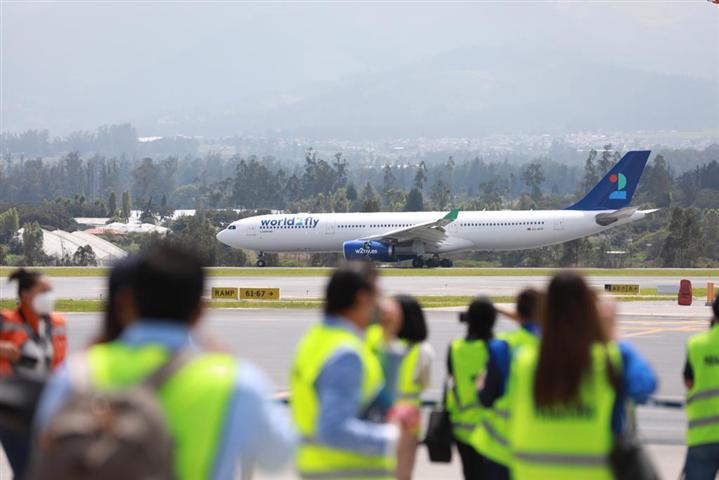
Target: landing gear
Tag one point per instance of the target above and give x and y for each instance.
(261, 259)
(434, 262)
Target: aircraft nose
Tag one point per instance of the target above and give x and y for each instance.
(223, 237)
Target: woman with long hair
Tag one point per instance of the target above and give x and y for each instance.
(566, 396)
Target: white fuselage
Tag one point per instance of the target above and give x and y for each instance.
(472, 230)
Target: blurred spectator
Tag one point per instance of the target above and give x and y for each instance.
(413, 376)
(567, 395)
(217, 408)
(335, 379)
(491, 437)
(466, 367)
(701, 376)
(120, 309)
(32, 343)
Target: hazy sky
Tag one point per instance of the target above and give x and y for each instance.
(71, 65)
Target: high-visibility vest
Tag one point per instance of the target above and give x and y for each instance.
(196, 399)
(47, 347)
(703, 398)
(563, 441)
(316, 460)
(469, 360)
(490, 438)
(409, 391)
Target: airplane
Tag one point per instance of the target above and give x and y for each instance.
(424, 238)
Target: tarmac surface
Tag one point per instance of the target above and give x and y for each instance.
(313, 287)
(268, 338)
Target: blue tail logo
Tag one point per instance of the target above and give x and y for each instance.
(621, 181)
(616, 189)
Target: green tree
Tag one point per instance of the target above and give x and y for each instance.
(657, 183)
(591, 177)
(420, 177)
(84, 256)
(126, 205)
(681, 247)
(112, 205)
(370, 201)
(533, 177)
(32, 241)
(9, 225)
(415, 202)
(440, 193)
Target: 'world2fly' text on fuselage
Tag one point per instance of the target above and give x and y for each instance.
(423, 237)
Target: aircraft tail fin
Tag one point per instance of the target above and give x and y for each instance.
(616, 189)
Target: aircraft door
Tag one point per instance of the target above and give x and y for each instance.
(251, 231)
(558, 223)
(329, 228)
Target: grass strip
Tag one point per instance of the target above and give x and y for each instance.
(398, 272)
(427, 301)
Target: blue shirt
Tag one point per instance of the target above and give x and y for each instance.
(256, 429)
(342, 423)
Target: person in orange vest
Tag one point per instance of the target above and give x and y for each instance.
(32, 344)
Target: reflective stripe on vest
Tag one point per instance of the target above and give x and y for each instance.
(469, 360)
(195, 399)
(491, 440)
(316, 460)
(562, 442)
(408, 390)
(703, 397)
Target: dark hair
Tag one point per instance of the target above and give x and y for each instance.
(414, 325)
(119, 283)
(168, 283)
(570, 326)
(26, 279)
(528, 304)
(346, 282)
(480, 318)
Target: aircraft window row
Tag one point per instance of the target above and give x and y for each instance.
(500, 224)
(386, 225)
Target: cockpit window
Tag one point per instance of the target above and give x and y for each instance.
(231, 227)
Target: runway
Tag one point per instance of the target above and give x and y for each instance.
(313, 287)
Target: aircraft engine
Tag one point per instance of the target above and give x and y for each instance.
(371, 249)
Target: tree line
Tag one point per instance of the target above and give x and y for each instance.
(52, 191)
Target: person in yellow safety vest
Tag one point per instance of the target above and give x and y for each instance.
(490, 438)
(466, 365)
(701, 376)
(565, 395)
(412, 377)
(336, 379)
(218, 409)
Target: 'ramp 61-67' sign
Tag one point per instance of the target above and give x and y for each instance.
(626, 288)
(259, 293)
(224, 293)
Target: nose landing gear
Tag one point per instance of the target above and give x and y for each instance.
(261, 259)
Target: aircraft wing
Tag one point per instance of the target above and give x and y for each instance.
(428, 232)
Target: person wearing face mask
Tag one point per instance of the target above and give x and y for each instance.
(32, 344)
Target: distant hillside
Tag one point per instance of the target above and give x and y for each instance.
(470, 91)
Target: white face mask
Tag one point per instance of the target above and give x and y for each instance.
(43, 303)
